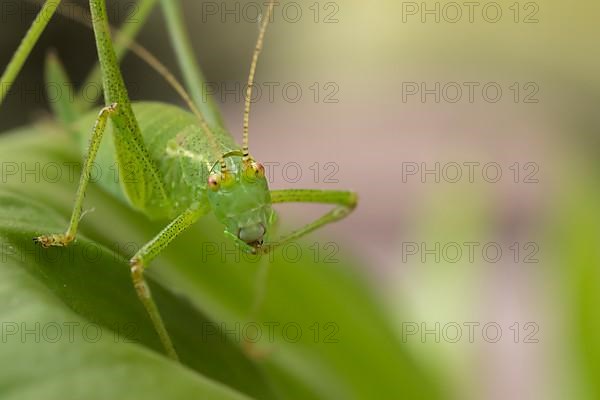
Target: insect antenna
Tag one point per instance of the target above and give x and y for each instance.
(162, 70)
(257, 50)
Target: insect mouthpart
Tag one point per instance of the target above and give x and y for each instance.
(257, 245)
(252, 235)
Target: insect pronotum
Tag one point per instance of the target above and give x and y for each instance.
(211, 173)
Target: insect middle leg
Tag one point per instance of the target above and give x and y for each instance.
(64, 239)
(344, 201)
(147, 253)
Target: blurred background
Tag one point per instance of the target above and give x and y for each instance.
(470, 132)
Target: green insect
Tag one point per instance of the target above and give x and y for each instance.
(180, 168)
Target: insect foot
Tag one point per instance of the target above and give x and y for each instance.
(59, 240)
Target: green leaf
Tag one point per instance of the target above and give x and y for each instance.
(322, 331)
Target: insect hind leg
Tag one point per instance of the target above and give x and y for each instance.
(145, 255)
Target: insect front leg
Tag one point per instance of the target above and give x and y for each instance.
(142, 258)
(61, 240)
(345, 202)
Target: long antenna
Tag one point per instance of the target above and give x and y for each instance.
(257, 50)
(162, 70)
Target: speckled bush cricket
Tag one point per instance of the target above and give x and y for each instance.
(182, 165)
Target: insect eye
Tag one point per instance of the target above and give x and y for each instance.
(214, 181)
(254, 170)
(260, 170)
